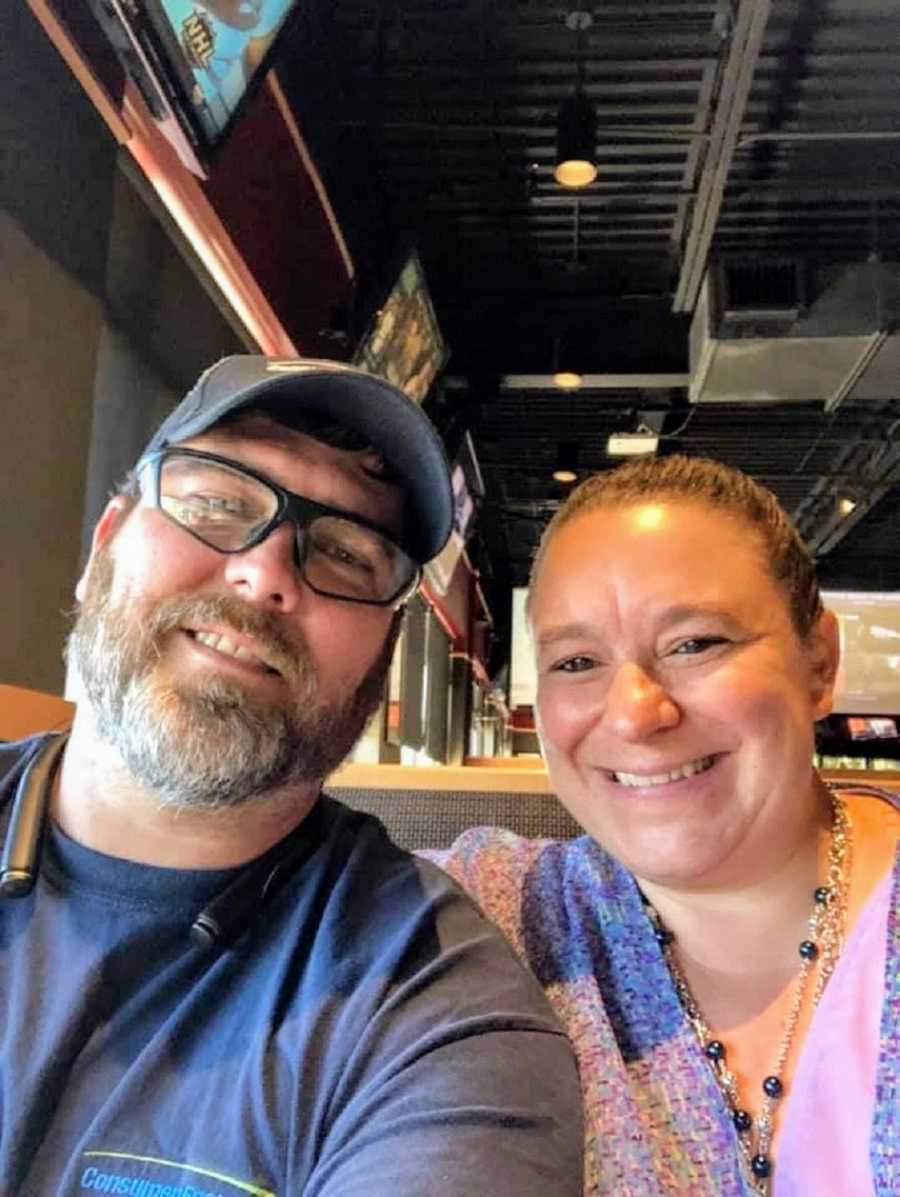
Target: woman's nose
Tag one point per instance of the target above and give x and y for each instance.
(637, 705)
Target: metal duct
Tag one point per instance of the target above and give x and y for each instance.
(751, 348)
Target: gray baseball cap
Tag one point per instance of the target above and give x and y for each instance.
(362, 402)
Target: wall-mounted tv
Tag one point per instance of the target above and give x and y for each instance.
(403, 343)
(868, 680)
(194, 61)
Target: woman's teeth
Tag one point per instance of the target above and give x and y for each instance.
(660, 779)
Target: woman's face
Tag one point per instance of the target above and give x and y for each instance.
(675, 699)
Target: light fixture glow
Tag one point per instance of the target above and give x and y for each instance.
(576, 141)
(567, 380)
(575, 172)
(631, 444)
(846, 505)
(567, 454)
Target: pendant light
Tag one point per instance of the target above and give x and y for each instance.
(576, 122)
(564, 378)
(566, 470)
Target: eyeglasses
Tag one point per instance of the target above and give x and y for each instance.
(231, 508)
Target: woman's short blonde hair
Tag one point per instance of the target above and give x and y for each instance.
(710, 484)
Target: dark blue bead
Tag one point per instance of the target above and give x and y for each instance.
(742, 1120)
(772, 1087)
(822, 894)
(761, 1166)
(663, 936)
(808, 950)
(715, 1049)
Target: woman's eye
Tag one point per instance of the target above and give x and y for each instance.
(696, 645)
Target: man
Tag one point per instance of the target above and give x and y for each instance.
(224, 982)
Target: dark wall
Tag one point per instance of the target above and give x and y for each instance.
(95, 299)
(59, 160)
(161, 330)
(56, 187)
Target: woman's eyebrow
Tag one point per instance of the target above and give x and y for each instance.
(684, 612)
(668, 617)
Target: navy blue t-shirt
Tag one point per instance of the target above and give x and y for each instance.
(367, 1034)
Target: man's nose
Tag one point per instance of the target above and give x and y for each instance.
(268, 573)
(637, 705)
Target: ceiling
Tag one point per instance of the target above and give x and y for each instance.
(742, 128)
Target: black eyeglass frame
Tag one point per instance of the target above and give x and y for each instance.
(300, 510)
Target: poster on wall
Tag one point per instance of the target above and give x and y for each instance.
(404, 344)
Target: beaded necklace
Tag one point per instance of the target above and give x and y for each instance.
(818, 951)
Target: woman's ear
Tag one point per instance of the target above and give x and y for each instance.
(106, 527)
(824, 654)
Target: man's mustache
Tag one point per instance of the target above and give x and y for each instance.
(284, 651)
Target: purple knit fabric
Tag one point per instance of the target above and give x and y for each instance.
(657, 1124)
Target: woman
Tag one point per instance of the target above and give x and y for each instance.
(723, 945)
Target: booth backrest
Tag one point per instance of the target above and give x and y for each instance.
(24, 712)
(433, 819)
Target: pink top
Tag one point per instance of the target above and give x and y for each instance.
(825, 1137)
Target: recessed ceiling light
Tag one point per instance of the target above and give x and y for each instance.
(631, 444)
(567, 380)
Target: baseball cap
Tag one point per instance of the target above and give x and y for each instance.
(381, 413)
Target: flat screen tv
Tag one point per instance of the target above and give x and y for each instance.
(403, 343)
(868, 680)
(194, 61)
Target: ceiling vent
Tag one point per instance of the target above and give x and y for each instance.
(779, 331)
(760, 293)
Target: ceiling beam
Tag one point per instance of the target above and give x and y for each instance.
(737, 77)
(594, 382)
(818, 517)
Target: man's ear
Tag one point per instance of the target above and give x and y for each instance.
(824, 654)
(107, 525)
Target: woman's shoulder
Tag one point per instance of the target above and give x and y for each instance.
(500, 869)
(490, 863)
(494, 852)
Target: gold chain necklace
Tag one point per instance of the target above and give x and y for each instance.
(818, 951)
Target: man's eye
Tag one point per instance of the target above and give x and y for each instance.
(574, 665)
(198, 507)
(341, 555)
(696, 645)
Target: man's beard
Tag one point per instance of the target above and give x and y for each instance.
(200, 740)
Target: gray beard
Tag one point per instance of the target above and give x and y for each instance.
(202, 742)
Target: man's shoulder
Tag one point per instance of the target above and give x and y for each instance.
(14, 758)
(16, 750)
(375, 880)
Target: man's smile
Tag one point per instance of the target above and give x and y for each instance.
(236, 646)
